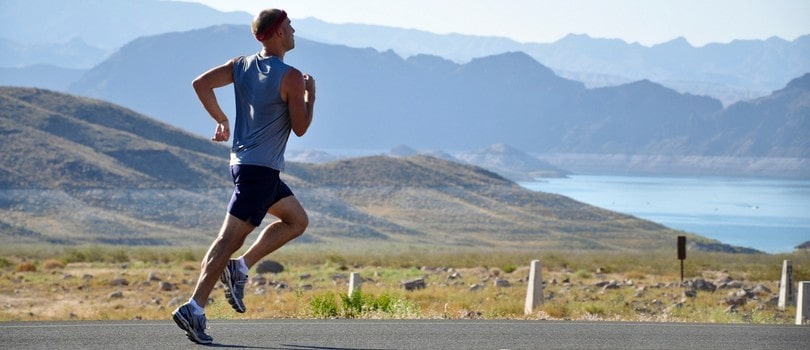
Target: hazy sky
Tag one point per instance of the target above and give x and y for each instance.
(647, 22)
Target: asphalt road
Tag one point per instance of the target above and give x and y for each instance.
(403, 334)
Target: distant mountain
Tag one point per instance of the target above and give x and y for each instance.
(76, 170)
(80, 34)
(511, 163)
(86, 32)
(771, 126)
(375, 100)
(41, 76)
(741, 69)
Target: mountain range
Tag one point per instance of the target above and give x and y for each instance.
(87, 32)
(78, 170)
(373, 99)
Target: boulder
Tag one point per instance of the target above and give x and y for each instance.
(269, 266)
(414, 284)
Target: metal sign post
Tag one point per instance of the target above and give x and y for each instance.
(681, 252)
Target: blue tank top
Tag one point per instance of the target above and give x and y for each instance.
(262, 126)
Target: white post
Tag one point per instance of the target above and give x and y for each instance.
(803, 304)
(354, 282)
(534, 293)
(786, 292)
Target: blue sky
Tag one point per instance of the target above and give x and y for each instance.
(647, 22)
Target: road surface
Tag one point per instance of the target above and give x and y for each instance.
(297, 334)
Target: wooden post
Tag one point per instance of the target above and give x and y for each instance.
(803, 304)
(786, 292)
(354, 282)
(534, 293)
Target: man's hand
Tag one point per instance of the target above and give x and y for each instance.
(223, 132)
(309, 87)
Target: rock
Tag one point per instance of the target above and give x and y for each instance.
(735, 300)
(269, 266)
(761, 290)
(701, 285)
(258, 280)
(116, 295)
(176, 301)
(613, 284)
(454, 275)
(414, 284)
(501, 282)
(690, 293)
(167, 287)
(475, 287)
(730, 285)
(154, 277)
(119, 282)
(304, 276)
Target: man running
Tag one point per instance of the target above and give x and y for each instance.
(272, 99)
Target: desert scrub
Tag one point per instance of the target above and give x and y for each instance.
(359, 305)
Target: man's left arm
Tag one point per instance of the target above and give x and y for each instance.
(299, 92)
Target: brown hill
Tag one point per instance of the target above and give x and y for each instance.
(76, 170)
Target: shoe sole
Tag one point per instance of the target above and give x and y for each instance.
(183, 324)
(237, 306)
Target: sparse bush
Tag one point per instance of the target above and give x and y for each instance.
(509, 268)
(582, 274)
(324, 305)
(53, 264)
(4, 263)
(26, 267)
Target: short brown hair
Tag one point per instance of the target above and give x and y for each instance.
(264, 20)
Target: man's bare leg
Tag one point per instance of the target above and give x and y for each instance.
(231, 237)
(292, 222)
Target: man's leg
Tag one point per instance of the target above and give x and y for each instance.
(231, 237)
(292, 222)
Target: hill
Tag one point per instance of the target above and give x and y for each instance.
(77, 170)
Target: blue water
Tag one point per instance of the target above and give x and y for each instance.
(771, 215)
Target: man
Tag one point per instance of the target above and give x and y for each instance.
(272, 99)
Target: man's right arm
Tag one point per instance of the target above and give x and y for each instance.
(204, 86)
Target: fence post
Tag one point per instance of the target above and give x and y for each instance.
(354, 282)
(803, 303)
(534, 292)
(786, 292)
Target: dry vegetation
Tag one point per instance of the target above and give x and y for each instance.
(122, 283)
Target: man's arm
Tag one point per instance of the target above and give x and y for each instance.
(298, 90)
(204, 86)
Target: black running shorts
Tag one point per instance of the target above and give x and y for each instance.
(256, 189)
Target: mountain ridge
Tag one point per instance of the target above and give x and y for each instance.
(732, 71)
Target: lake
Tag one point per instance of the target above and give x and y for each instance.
(771, 215)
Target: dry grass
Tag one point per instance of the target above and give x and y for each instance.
(85, 283)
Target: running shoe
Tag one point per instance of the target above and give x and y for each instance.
(234, 281)
(194, 325)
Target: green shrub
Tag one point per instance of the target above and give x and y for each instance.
(324, 305)
(509, 268)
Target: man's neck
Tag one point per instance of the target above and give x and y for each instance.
(267, 52)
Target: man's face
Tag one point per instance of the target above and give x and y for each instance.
(288, 34)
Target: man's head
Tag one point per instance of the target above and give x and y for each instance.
(270, 23)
